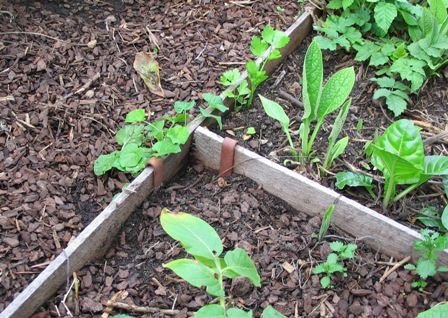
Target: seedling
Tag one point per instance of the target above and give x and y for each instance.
(319, 101)
(426, 266)
(216, 103)
(250, 131)
(207, 268)
(431, 217)
(326, 221)
(334, 264)
(241, 92)
(141, 139)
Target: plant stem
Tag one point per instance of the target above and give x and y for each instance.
(313, 137)
(407, 190)
(222, 299)
(390, 190)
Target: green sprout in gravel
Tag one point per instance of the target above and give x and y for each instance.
(429, 246)
(208, 268)
(141, 140)
(216, 105)
(334, 263)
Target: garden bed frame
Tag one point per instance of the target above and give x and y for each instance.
(376, 230)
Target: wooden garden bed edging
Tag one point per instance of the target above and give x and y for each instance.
(95, 239)
(305, 195)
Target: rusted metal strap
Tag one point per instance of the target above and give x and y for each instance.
(227, 156)
(157, 165)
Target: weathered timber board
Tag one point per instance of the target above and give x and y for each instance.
(94, 240)
(305, 195)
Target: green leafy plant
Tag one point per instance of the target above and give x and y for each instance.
(121, 316)
(319, 102)
(326, 221)
(395, 93)
(438, 311)
(241, 92)
(399, 155)
(428, 246)
(216, 104)
(208, 268)
(431, 217)
(141, 139)
(352, 179)
(334, 264)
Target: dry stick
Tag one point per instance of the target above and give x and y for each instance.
(32, 33)
(394, 268)
(85, 86)
(142, 309)
(443, 137)
(290, 98)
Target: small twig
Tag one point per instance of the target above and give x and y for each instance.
(31, 33)
(443, 137)
(85, 86)
(290, 98)
(394, 268)
(65, 298)
(279, 79)
(142, 309)
(8, 98)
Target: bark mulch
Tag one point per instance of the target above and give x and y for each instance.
(278, 238)
(66, 80)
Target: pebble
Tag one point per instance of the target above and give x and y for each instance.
(13, 242)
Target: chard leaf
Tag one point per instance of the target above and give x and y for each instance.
(135, 116)
(336, 91)
(196, 236)
(210, 311)
(436, 165)
(196, 274)
(347, 178)
(312, 80)
(444, 217)
(239, 262)
(271, 312)
(238, 313)
(438, 311)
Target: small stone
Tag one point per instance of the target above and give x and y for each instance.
(356, 308)
(89, 305)
(13, 242)
(412, 300)
(91, 44)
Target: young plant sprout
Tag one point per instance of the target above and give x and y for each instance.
(207, 267)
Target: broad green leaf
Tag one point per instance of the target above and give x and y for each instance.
(196, 236)
(384, 14)
(256, 76)
(326, 221)
(215, 102)
(438, 9)
(347, 178)
(436, 165)
(135, 116)
(275, 111)
(347, 3)
(239, 262)
(178, 134)
(426, 268)
(196, 274)
(206, 114)
(104, 163)
(399, 152)
(250, 131)
(238, 313)
(258, 46)
(165, 147)
(334, 4)
(438, 311)
(444, 217)
(130, 156)
(336, 91)
(396, 104)
(130, 133)
(181, 106)
(156, 129)
(271, 312)
(210, 311)
(230, 77)
(312, 80)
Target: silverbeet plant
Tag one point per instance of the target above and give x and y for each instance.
(399, 154)
(141, 139)
(319, 101)
(208, 268)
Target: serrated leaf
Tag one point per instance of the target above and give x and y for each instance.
(426, 268)
(325, 282)
(275, 111)
(178, 134)
(196, 236)
(238, 313)
(277, 39)
(312, 80)
(336, 91)
(239, 262)
(258, 46)
(271, 312)
(337, 246)
(156, 129)
(210, 311)
(396, 104)
(196, 274)
(384, 14)
(215, 102)
(165, 147)
(347, 178)
(334, 4)
(135, 116)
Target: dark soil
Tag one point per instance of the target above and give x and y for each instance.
(278, 238)
(429, 110)
(50, 135)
